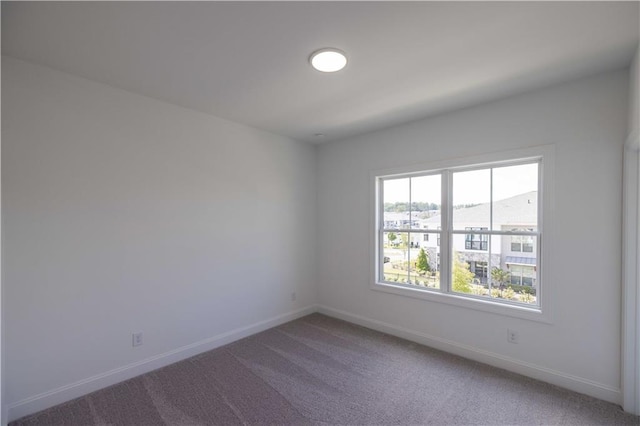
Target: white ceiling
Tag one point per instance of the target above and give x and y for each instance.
(248, 62)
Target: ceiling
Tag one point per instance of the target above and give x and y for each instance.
(248, 61)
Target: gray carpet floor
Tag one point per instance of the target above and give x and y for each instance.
(319, 370)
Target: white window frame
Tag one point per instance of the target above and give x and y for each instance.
(543, 312)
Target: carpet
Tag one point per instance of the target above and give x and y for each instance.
(320, 370)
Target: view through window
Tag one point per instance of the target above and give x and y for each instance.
(481, 224)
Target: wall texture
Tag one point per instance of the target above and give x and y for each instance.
(124, 214)
(586, 120)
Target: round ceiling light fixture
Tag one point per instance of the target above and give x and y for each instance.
(328, 59)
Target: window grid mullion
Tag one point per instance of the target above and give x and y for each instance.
(409, 236)
(489, 280)
(381, 228)
(540, 228)
(414, 231)
(446, 239)
(502, 233)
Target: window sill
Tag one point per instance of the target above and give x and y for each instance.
(515, 311)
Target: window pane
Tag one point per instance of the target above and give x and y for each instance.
(515, 196)
(471, 198)
(395, 248)
(425, 202)
(521, 268)
(480, 278)
(424, 268)
(396, 203)
(495, 273)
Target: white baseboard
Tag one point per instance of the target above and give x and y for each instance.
(558, 378)
(74, 390)
(91, 384)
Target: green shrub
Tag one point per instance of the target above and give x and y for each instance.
(461, 276)
(509, 293)
(522, 289)
(526, 297)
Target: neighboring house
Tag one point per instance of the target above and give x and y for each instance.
(400, 220)
(515, 254)
(406, 220)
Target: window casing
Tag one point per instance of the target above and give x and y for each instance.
(469, 253)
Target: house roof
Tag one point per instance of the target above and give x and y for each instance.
(396, 215)
(517, 210)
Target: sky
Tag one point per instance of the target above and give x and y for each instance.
(469, 187)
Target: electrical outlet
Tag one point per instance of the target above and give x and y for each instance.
(293, 296)
(136, 339)
(513, 336)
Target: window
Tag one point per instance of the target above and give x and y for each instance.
(522, 275)
(479, 269)
(522, 243)
(486, 219)
(476, 241)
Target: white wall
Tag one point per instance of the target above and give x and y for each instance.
(586, 120)
(3, 411)
(631, 242)
(123, 214)
(634, 99)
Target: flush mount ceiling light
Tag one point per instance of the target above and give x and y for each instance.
(328, 60)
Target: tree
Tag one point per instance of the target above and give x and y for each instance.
(416, 206)
(404, 246)
(392, 237)
(422, 263)
(462, 276)
(500, 276)
(404, 237)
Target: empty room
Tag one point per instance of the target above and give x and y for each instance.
(360, 213)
